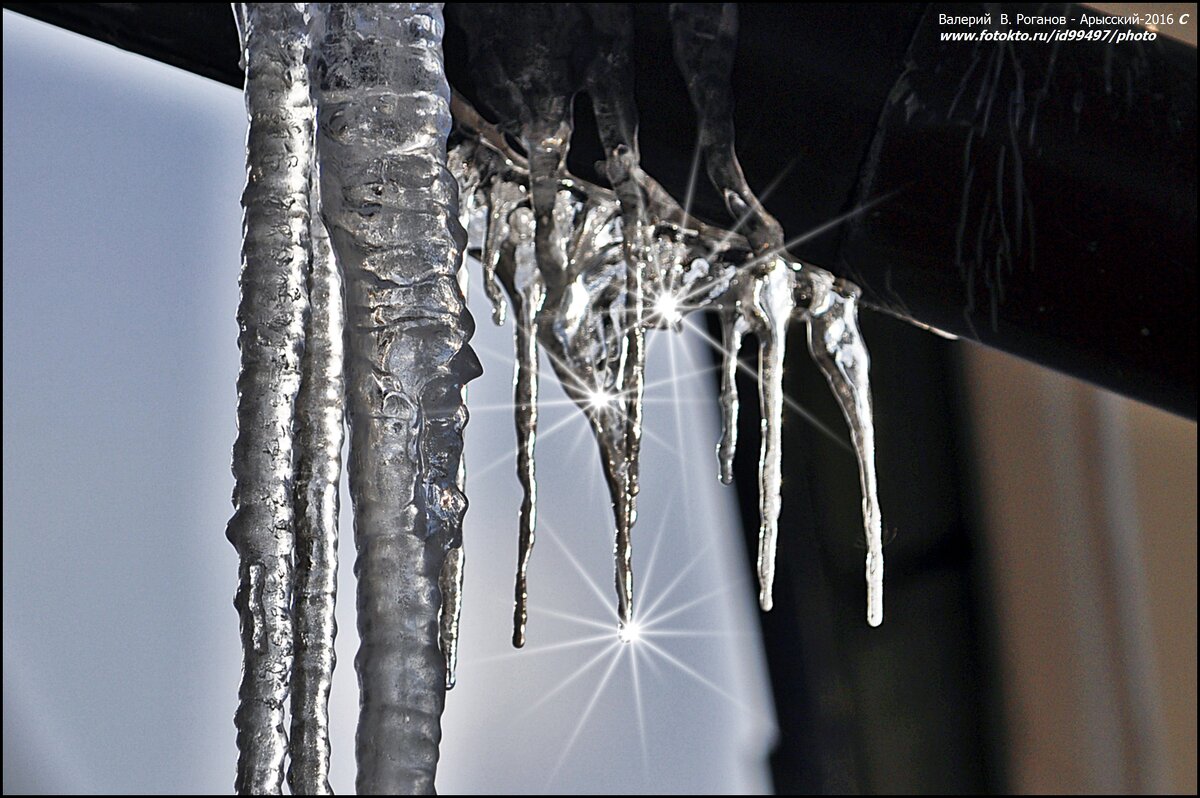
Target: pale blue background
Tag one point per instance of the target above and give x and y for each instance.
(121, 238)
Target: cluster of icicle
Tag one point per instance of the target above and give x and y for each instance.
(588, 269)
(352, 303)
(350, 299)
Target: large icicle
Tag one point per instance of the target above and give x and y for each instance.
(319, 434)
(392, 210)
(837, 346)
(271, 317)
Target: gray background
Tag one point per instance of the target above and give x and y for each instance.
(121, 662)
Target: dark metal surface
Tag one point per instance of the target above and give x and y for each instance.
(1045, 195)
(197, 37)
(913, 706)
(1046, 205)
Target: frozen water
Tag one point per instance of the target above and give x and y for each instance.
(605, 255)
(319, 434)
(587, 271)
(271, 317)
(391, 208)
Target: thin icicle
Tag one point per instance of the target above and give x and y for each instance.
(392, 210)
(773, 304)
(528, 293)
(451, 583)
(837, 346)
(525, 398)
(610, 84)
(632, 389)
(271, 317)
(733, 326)
(319, 435)
(705, 38)
(502, 199)
(633, 381)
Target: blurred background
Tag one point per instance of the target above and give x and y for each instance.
(1041, 629)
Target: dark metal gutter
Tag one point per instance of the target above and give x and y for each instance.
(1042, 197)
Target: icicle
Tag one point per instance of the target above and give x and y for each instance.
(629, 401)
(319, 434)
(502, 199)
(633, 381)
(632, 389)
(528, 295)
(451, 582)
(392, 210)
(610, 84)
(705, 37)
(606, 411)
(733, 326)
(271, 318)
(837, 346)
(773, 305)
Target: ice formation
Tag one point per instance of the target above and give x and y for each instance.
(588, 269)
(319, 434)
(353, 193)
(271, 316)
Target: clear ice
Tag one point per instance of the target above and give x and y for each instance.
(378, 224)
(272, 315)
(353, 311)
(319, 435)
(588, 269)
(391, 207)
